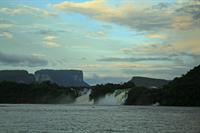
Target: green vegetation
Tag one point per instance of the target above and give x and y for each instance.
(183, 91)
(46, 92)
(143, 96)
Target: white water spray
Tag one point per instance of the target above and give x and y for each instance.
(84, 98)
(118, 97)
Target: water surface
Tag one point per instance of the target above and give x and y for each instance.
(30, 118)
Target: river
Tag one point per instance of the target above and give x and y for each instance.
(62, 118)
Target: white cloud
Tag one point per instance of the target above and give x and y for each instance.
(116, 65)
(156, 36)
(182, 22)
(4, 26)
(38, 55)
(26, 10)
(96, 35)
(7, 35)
(95, 8)
(50, 41)
(147, 17)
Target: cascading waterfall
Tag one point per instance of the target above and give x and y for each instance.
(84, 98)
(118, 97)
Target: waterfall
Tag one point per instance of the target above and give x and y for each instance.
(116, 98)
(84, 98)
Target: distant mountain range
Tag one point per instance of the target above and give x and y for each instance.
(67, 78)
(149, 82)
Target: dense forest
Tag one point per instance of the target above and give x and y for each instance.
(46, 92)
(183, 91)
(143, 96)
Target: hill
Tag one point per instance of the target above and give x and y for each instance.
(183, 91)
(149, 82)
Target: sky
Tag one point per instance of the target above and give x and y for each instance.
(109, 40)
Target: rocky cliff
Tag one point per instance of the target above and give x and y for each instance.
(19, 76)
(68, 78)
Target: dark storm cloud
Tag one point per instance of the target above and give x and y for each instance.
(21, 60)
(113, 59)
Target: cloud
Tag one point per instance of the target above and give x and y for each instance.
(91, 66)
(130, 65)
(148, 49)
(26, 10)
(96, 35)
(184, 44)
(95, 8)
(167, 73)
(115, 65)
(38, 55)
(21, 60)
(4, 24)
(190, 45)
(156, 36)
(182, 22)
(7, 35)
(191, 8)
(97, 79)
(132, 59)
(161, 6)
(184, 50)
(49, 32)
(50, 42)
(150, 17)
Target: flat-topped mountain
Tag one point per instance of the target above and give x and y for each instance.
(67, 78)
(19, 76)
(149, 82)
(72, 78)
